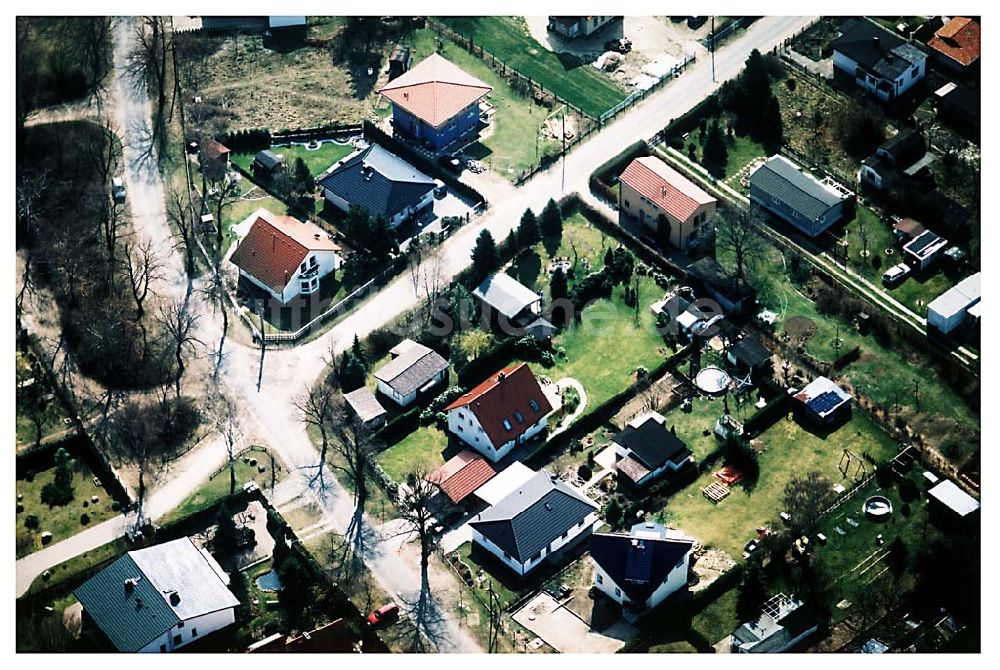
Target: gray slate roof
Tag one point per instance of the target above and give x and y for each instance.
(653, 444)
(131, 619)
(379, 181)
(268, 159)
(532, 516)
(409, 371)
(782, 179)
(505, 294)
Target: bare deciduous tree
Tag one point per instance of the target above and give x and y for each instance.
(178, 213)
(132, 441)
(214, 291)
(415, 512)
(315, 409)
(226, 422)
(179, 324)
(737, 235)
(142, 267)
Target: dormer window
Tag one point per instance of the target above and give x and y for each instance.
(313, 262)
(518, 416)
(534, 405)
(506, 424)
(303, 267)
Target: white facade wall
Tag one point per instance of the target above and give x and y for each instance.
(463, 424)
(191, 630)
(675, 580)
(407, 400)
(572, 535)
(327, 262)
(869, 83)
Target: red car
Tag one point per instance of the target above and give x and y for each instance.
(384, 615)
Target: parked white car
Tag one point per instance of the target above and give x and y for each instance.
(896, 274)
(118, 189)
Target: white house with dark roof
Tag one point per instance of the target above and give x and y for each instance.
(160, 598)
(535, 522)
(646, 449)
(879, 62)
(413, 368)
(642, 568)
(381, 183)
(824, 401)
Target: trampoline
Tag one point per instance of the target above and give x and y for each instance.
(878, 508)
(712, 380)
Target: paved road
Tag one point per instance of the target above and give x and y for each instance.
(289, 372)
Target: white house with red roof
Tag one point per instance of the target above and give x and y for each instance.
(436, 103)
(284, 256)
(665, 202)
(505, 410)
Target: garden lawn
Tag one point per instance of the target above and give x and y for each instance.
(511, 146)
(480, 560)
(238, 211)
(507, 38)
(62, 521)
(790, 450)
(742, 149)
(317, 160)
(422, 451)
(217, 486)
(718, 619)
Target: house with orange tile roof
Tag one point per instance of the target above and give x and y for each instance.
(462, 475)
(504, 411)
(956, 43)
(664, 202)
(436, 103)
(284, 256)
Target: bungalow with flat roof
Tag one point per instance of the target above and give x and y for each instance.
(642, 568)
(381, 183)
(414, 369)
(159, 599)
(435, 103)
(876, 60)
(266, 163)
(783, 623)
(572, 27)
(665, 202)
(959, 104)
(535, 523)
(924, 250)
(809, 204)
(948, 311)
(502, 412)
(284, 256)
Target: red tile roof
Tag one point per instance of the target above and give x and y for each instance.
(275, 246)
(214, 150)
(667, 188)
(462, 475)
(958, 39)
(501, 395)
(435, 90)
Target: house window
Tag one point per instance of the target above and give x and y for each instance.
(506, 424)
(180, 625)
(305, 286)
(315, 282)
(565, 534)
(618, 591)
(303, 267)
(459, 426)
(312, 262)
(518, 416)
(916, 72)
(506, 555)
(194, 632)
(177, 639)
(534, 405)
(163, 648)
(536, 557)
(600, 579)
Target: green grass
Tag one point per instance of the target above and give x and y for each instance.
(25, 427)
(317, 160)
(68, 569)
(423, 450)
(719, 618)
(790, 450)
(479, 560)
(508, 39)
(511, 146)
(62, 521)
(741, 150)
(238, 211)
(217, 487)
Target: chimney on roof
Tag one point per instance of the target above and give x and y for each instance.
(130, 585)
(175, 598)
(663, 191)
(501, 376)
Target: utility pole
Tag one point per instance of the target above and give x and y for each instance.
(711, 47)
(263, 346)
(563, 190)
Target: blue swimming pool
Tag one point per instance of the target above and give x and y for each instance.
(269, 581)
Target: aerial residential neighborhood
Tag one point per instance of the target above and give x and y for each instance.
(498, 334)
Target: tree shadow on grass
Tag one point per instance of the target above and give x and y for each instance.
(526, 268)
(552, 244)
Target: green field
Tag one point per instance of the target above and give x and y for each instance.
(317, 160)
(507, 38)
(62, 521)
(511, 145)
(217, 487)
(422, 451)
(789, 450)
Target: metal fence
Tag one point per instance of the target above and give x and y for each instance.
(639, 95)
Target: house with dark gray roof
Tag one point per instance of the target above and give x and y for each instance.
(414, 368)
(877, 61)
(642, 568)
(797, 197)
(646, 449)
(381, 183)
(749, 355)
(535, 523)
(266, 163)
(158, 599)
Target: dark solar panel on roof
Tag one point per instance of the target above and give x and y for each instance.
(825, 402)
(639, 562)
